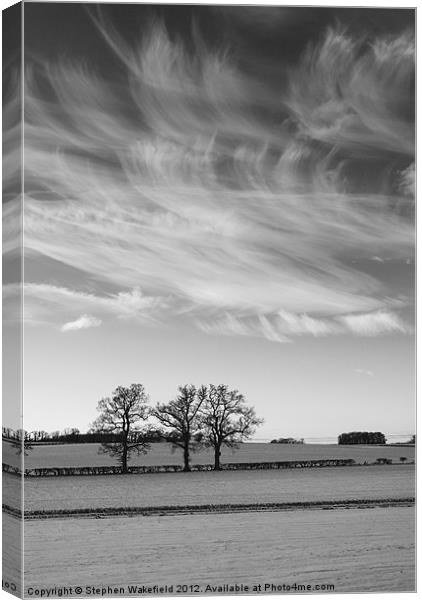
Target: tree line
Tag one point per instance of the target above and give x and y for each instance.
(210, 416)
(362, 437)
(288, 440)
(69, 436)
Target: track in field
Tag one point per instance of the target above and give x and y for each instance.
(209, 508)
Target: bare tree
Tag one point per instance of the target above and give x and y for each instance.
(43, 435)
(22, 443)
(182, 418)
(226, 419)
(121, 415)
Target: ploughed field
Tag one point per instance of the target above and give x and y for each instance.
(224, 487)
(11, 490)
(87, 455)
(354, 550)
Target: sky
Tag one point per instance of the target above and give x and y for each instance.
(218, 195)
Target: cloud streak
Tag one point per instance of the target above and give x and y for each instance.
(84, 322)
(283, 326)
(45, 303)
(174, 183)
(373, 323)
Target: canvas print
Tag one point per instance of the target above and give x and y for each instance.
(208, 300)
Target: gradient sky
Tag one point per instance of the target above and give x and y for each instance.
(220, 195)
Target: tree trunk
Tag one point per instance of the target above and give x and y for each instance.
(186, 466)
(124, 460)
(217, 454)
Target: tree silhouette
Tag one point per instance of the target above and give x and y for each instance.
(226, 419)
(182, 418)
(121, 415)
(362, 437)
(21, 443)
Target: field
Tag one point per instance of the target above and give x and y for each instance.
(172, 489)
(11, 490)
(77, 455)
(356, 550)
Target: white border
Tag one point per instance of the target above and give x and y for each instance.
(304, 3)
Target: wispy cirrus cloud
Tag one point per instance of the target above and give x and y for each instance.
(281, 327)
(357, 94)
(45, 303)
(373, 323)
(173, 182)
